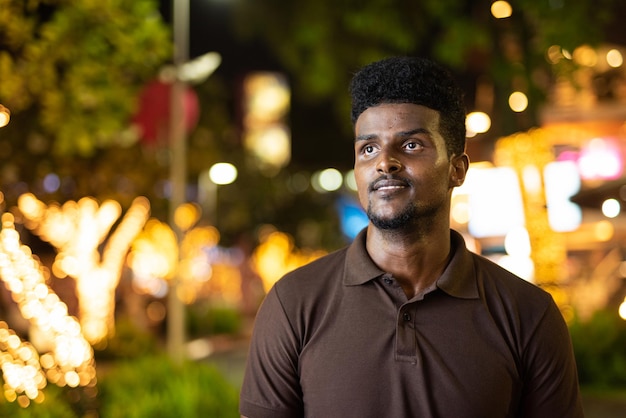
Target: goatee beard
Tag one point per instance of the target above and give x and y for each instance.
(400, 221)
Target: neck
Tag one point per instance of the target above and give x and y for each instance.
(416, 258)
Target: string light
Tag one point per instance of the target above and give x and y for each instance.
(76, 230)
(69, 360)
(21, 370)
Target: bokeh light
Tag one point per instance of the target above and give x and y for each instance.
(614, 58)
(223, 173)
(5, 116)
(501, 9)
(518, 102)
(327, 180)
(611, 208)
(477, 123)
(77, 230)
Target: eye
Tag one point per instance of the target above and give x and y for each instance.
(368, 149)
(412, 145)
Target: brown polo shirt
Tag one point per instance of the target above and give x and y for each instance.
(339, 338)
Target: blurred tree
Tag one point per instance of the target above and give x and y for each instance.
(322, 42)
(70, 71)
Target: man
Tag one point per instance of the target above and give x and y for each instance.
(406, 322)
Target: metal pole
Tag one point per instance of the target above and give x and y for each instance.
(178, 171)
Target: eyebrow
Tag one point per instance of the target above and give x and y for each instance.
(403, 134)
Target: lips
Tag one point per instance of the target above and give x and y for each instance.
(389, 184)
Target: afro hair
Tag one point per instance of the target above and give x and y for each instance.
(413, 80)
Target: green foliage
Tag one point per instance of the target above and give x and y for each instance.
(72, 69)
(154, 387)
(150, 386)
(203, 320)
(128, 342)
(600, 350)
(55, 405)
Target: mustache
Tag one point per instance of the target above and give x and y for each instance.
(389, 179)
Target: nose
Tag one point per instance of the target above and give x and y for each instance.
(388, 163)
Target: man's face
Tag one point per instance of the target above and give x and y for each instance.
(401, 166)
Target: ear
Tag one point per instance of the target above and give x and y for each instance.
(458, 169)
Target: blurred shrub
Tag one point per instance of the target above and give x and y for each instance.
(55, 405)
(203, 320)
(600, 350)
(155, 387)
(129, 341)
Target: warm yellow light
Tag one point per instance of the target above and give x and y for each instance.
(585, 56)
(554, 54)
(603, 231)
(51, 326)
(349, 180)
(614, 58)
(478, 122)
(5, 116)
(277, 255)
(531, 178)
(272, 143)
(518, 102)
(622, 310)
(327, 180)
(77, 230)
(501, 9)
(186, 215)
(268, 97)
(266, 134)
(460, 212)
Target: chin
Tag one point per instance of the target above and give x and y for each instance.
(392, 223)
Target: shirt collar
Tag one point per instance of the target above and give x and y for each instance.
(458, 278)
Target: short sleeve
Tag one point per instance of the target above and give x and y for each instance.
(550, 376)
(271, 386)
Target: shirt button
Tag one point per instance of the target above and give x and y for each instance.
(387, 280)
(406, 316)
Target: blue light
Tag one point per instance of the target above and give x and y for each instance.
(352, 217)
(51, 183)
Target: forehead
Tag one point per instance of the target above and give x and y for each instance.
(397, 116)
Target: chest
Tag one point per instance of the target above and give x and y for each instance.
(440, 356)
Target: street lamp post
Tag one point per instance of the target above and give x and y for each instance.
(178, 170)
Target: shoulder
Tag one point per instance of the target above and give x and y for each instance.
(314, 277)
(514, 303)
(494, 278)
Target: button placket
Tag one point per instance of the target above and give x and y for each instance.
(406, 343)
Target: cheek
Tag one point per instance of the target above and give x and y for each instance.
(361, 187)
